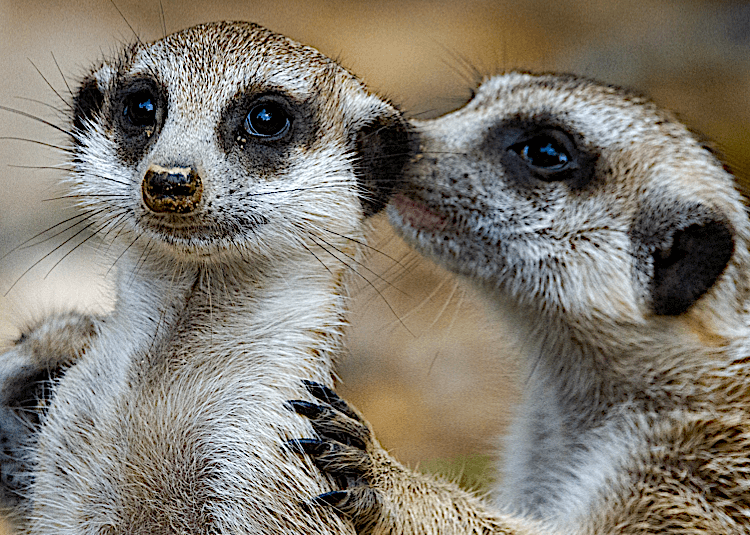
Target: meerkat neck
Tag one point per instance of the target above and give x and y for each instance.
(587, 391)
(297, 312)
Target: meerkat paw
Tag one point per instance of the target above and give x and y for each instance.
(28, 371)
(346, 450)
(378, 494)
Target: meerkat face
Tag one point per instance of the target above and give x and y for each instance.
(572, 197)
(229, 139)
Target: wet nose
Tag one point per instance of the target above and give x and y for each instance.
(177, 190)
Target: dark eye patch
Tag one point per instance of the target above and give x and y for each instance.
(537, 150)
(139, 110)
(88, 102)
(260, 128)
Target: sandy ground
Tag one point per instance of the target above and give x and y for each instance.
(436, 378)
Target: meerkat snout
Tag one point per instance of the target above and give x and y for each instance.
(177, 190)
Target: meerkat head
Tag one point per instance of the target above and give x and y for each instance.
(578, 200)
(227, 139)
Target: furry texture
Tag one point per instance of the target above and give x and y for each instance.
(617, 246)
(169, 417)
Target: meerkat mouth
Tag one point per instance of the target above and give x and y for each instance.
(418, 215)
(200, 235)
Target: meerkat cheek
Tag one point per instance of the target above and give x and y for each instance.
(417, 215)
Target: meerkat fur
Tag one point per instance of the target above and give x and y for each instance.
(616, 246)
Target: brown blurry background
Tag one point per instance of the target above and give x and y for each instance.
(433, 375)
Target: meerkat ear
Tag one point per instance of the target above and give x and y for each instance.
(689, 262)
(383, 146)
(86, 103)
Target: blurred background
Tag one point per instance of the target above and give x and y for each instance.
(437, 379)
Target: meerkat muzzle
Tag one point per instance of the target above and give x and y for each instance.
(177, 190)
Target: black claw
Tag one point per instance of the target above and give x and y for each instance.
(321, 391)
(326, 395)
(305, 408)
(334, 498)
(309, 446)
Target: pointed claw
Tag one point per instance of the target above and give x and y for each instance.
(305, 408)
(309, 446)
(331, 499)
(326, 395)
(321, 391)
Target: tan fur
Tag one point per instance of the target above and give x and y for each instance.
(624, 272)
(168, 416)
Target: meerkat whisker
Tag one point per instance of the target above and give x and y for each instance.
(359, 263)
(304, 245)
(464, 68)
(123, 252)
(62, 76)
(27, 243)
(354, 270)
(422, 303)
(58, 148)
(45, 104)
(413, 260)
(162, 19)
(73, 249)
(46, 81)
(60, 167)
(447, 301)
(118, 223)
(87, 196)
(34, 118)
(135, 34)
(87, 217)
(111, 179)
(141, 260)
(363, 244)
(301, 189)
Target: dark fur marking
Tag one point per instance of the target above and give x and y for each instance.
(383, 147)
(87, 102)
(497, 144)
(683, 248)
(133, 140)
(683, 273)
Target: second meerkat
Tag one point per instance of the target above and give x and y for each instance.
(616, 245)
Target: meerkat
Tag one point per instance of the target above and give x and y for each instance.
(230, 170)
(616, 245)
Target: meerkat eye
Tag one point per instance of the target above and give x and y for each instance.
(267, 120)
(140, 112)
(140, 109)
(544, 152)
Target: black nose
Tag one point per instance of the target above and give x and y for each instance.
(177, 190)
